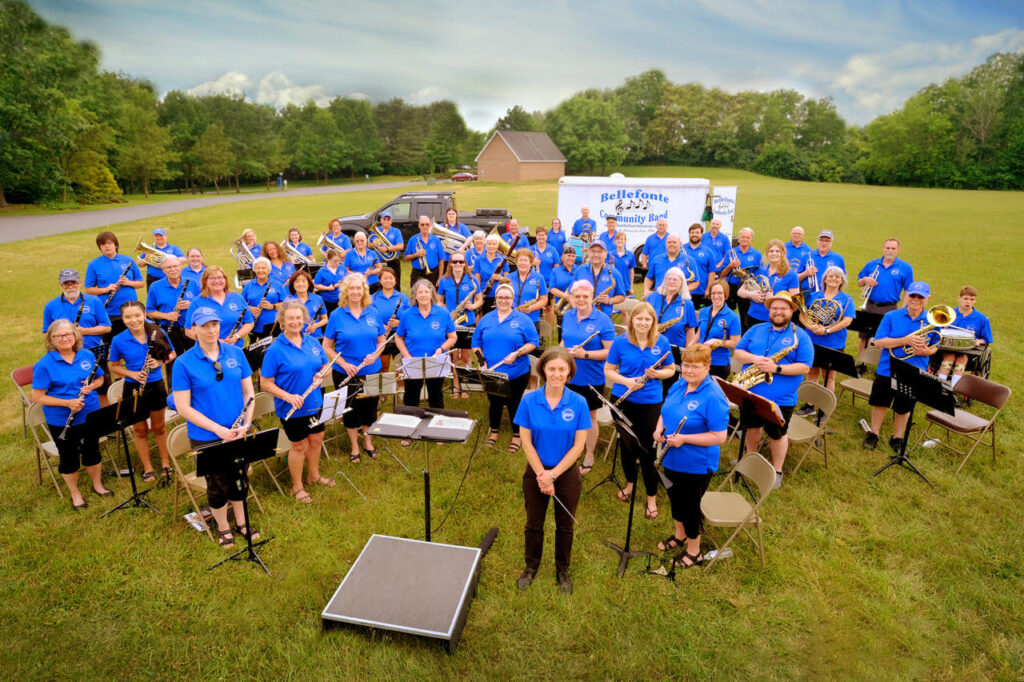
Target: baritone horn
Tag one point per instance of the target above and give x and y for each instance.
(242, 255)
(380, 243)
(451, 242)
(298, 258)
(150, 255)
(325, 240)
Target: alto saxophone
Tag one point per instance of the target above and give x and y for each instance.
(752, 376)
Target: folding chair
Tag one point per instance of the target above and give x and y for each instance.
(263, 407)
(46, 449)
(811, 430)
(730, 509)
(545, 332)
(860, 386)
(969, 425)
(22, 378)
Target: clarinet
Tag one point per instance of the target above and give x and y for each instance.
(81, 394)
(317, 378)
(642, 379)
(144, 372)
(313, 318)
(238, 322)
(241, 415)
(117, 287)
(81, 307)
(367, 360)
(184, 288)
(661, 446)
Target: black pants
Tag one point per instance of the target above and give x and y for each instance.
(720, 371)
(330, 307)
(743, 308)
(567, 487)
(685, 494)
(517, 387)
(699, 300)
(221, 487)
(414, 388)
(417, 274)
(362, 410)
(645, 420)
(79, 447)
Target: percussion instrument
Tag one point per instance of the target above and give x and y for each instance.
(955, 339)
(939, 316)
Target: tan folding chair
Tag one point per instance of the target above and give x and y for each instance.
(811, 431)
(22, 378)
(545, 331)
(860, 387)
(46, 449)
(730, 509)
(967, 424)
(262, 408)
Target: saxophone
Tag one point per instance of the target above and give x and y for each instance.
(457, 314)
(752, 376)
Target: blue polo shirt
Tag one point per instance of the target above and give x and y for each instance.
(191, 275)
(61, 379)
(581, 226)
(560, 279)
(759, 311)
(719, 245)
(162, 298)
(170, 250)
(220, 401)
(546, 259)
(341, 240)
(126, 347)
(523, 243)
(356, 337)
(837, 339)
(484, 267)
(315, 306)
(764, 339)
(750, 260)
(256, 250)
(667, 310)
(704, 260)
(234, 305)
(822, 263)
(797, 257)
(292, 368)
(453, 294)
(496, 339)
(385, 305)
(303, 248)
(93, 315)
(608, 240)
(471, 257)
(624, 263)
(252, 292)
(574, 331)
(892, 280)
(280, 275)
(632, 362)
(662, 264)
(356, 263)
(459, 228)
(721, 325)
(898, 323)
(654, 246)
(556, 240)
(103, 271)
(602, 280)
(975, 322)
(394, 236)
(325, 278)
(527, 290)
(706, 409)
(424, 335)
(432, 246)
(553, 430)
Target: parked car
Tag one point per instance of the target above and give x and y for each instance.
(464, 176)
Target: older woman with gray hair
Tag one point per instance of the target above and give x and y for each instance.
(829, 312)
(425, 329)
(672, 304)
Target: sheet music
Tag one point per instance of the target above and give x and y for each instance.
(443, 422)
(431, 367)
(406, 421)
(334, 405)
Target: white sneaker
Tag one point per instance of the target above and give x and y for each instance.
(778, 481)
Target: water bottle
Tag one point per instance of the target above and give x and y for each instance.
(721, 554)
(864, 425)
(930, 443)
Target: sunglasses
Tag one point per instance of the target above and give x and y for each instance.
(457, 261)
(220, 370)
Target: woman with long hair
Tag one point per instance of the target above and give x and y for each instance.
(236, 319)
(780, 278)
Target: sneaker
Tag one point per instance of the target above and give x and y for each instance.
(896, 444)
(778, 481)
(805, 411)
(564, 583)
(870, 441)
(733, 462)
(526, 579)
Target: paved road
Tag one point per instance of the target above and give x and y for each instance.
(15, 228)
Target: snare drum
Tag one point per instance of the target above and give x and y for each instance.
(956, 339)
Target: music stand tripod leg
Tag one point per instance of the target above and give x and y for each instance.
(611, 477)
(251, 548)
(137, 499)
(625, 554)
(902, 458)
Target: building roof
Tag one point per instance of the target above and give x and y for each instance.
(527, 146)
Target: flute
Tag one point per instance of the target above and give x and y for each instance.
(317, 379)
(367, 360)
(642, 379)
(584, 341)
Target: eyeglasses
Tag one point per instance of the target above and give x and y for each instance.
(64, 336)
(220, 370)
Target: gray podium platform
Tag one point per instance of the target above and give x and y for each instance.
(412, 586)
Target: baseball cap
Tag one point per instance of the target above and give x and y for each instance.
(598, 244)
(385, 214)
(69, 275)
(160, 231)
(204, 315)
(919, 288)
(825, 233)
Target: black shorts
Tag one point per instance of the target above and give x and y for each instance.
(299, 428)
(882, 395)
(220, 487)
(593, 402)
(79, 447)
(749, 420)
(720, 371)
(154, 395)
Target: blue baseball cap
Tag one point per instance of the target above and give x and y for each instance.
(385, 214)
(204, 315)
(919, 289)
(160, 231)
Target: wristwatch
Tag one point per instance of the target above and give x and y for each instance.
(778, 369)
(586, 355)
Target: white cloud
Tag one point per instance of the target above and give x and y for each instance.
(358, 95)
(233, 82)
(275, 89)
(426, 95)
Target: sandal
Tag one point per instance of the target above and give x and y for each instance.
(695, 560)
(650, 513)
(225, 539)
(103, 493)
(670, 543)
(372, 452)
(244, 532)
(324, 481)
(513, 447)
(302, 496)
(622, 495)
(586, 468)
(148, 477)
(405, 443)
(492, 439)
(353, 457)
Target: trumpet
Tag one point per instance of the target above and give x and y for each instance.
(150, 255)
(242, 255)
(325, 240)
(451, 242)
(752, 376)
(298, 258)
(380, 243)
(868, 289)
(939, 316)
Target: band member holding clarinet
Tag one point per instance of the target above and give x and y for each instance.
(167, 301)
(491, 269)
(460, 290)
(328, 280)
(426, 254)
(692, 427)
(553, 422)
(213, 390)
(236, 320)
(587, 333)
(425, 329)
(634, 359)
(294, 363)
(300, 286)
(263, 295)
(86, 312)
(828, 312)
(501, 342)
(390, 304)
(64, 382)
(137, 355)
(719, 329)
(113, 278)
(356, 331)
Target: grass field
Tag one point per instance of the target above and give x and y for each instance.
(867, 578)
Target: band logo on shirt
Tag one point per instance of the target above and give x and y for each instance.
(655, 351)
(895, 271)
(590, 329)
(232, 306)
(435, 325)
(514, 324)
(231, 363)
(370, 322)
(85, 365)
(568, 414)
(692, 405)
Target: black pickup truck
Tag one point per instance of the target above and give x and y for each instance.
(407, 208)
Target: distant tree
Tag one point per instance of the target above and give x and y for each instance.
(637, 100)
(518, 118)
(589, 133)
(213, 152)
(320, 148)
(403, 131)
(447, 136)
(146, 151)
(358, 128)
(186, 119)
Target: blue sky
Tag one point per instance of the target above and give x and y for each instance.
(869, 56)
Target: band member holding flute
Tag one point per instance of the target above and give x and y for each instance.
(425, 329)
(692, 426)
(64, 382)
(294, 362)
(235, 317)
(719, 329)
(213, 390)
(85, 311)
(113, 278)
(426, 254)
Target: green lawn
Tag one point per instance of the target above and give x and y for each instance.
(867, 578)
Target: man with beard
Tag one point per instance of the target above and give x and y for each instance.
(704, 261)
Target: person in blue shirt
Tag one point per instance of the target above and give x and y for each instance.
(281, 267)
(294, 362)
(756, 348)
(718, 242)
(776, 273)
(584, 224)
(553, 423)
(361, 258)
(113, 278)
(607, 286)
(424, 330)
(167, 301)
(328, 280)
(476, 250)
(85, 311)
(194, 268)
(58, 384)
(249, 240)
(672, 258)
(212, 384)
(634, 359)
(888, 278)
(531, 291)
(356, 330)
(719, 329)
(511, 234)
(624, 262)
(491, 268)
(451, 222)
(654, 245)
(458, 287)
(300, 286)
(426, 254)
(501, 341)
(690, 457)
(390, 304)
(672, 304)
(828, 332)
(137, 355)
(556, 235)
(897, 333)
(160, 244)
(819, 260)
(973, 321)
(562, 278)
(704, 264)
(339, 241)
(579, 324)
(608, 236)
(263, 295)
(295, 240)
(744, 257)
(546, 255)
(236, 319)
(397, 244)
(798, 253)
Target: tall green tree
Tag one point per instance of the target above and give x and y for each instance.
(213, 152)
(146, 150)
(589, 132)
(185, 118)
(320, 148)
(358, 127)
(448, 133)
(518, 118)
(403, 129)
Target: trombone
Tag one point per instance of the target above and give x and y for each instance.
(150, 255)
(380, 243)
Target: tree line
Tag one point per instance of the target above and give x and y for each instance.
(70, 132)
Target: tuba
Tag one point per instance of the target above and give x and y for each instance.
(451, 242)
(325, 240)
(298, 258)
(939, 316)
(242, 255)
(380, 243)
(150, 255)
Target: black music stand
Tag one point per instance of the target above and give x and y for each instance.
(234, 457)
(763, 407)
(866, 322)
(624, 552)
(919, 386)
(832, 360)
(117, 417)
(622, 429)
